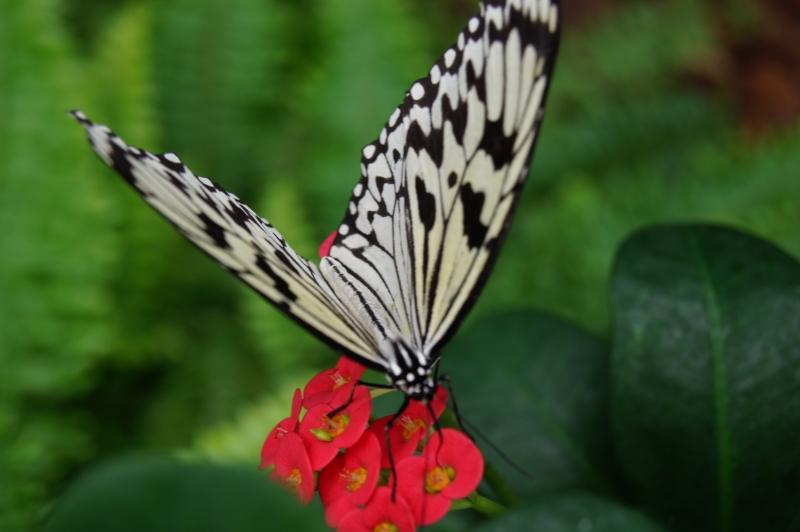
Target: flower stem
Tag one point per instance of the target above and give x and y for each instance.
(499, 485)
(487, 507)
(460, 504)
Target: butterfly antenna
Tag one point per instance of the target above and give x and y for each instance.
(437, 430)
(463, 423)
(500, 453)
(446, 378)
(386, 429)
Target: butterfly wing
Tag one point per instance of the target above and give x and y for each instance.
(427, 219)
(239, 240)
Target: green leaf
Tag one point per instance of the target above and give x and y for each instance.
(572, 513)
(137, 494)
(706, 385)
(537, 387)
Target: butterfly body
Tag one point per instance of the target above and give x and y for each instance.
(424, 224)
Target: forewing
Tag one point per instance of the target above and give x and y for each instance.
(439, 186)
(239, 240)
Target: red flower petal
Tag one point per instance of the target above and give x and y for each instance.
(400, 446)
(336, 511)
(320, 389)
(354, 474)
(437, 405)
(426, 507)
(453, 449)
(297, 404)
(324, 436)
(380, 511)
(353, 521)
(325, 247)
(293, 468)
(270, 448)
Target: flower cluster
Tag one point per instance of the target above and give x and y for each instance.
(356, 484)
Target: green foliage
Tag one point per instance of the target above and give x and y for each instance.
(568, 513)
(706, 396)
(115, 334)
(549, 379)
(702, 391)
(56, 246)
(135, 494)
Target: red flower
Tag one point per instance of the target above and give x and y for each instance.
(380, 515)
(349, 480)
(451, 466)
(324, 435)
(412, 425)
(293, 468)
(325, 247)
(287, 425)
(333, 386)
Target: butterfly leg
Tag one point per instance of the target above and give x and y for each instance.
(376, 386)
(343, 405)
(353, 391)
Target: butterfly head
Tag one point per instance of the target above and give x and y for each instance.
(410, 371)
(422, 390)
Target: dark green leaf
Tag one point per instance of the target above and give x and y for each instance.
(706, 377)
(537, 387)
(138, 494)
(572, 513)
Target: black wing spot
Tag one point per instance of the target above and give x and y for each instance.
(473, 205)
(457, 115)
(285, 260)
(473, 81)
(396, 155)
(496, 144)
(177, 182)
(415, 138)
(239, 215)
(426, 202)
(452, 179)
(172, 165)
(280, 284)
(215, 231)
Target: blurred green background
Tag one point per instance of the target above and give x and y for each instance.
(117, 335)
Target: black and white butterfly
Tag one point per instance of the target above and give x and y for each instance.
(425, 222)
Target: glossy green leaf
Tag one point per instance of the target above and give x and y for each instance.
(159, 495)
(572, 513)
(706, 377)
(537, 387)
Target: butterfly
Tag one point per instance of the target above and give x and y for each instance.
(426, 221)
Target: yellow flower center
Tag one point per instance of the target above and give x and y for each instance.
(293, 481)
(385, 527)
(355, 479)
(331, 427)
(438, 478)
(338, 380)
(336, 425)
(411, 426)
